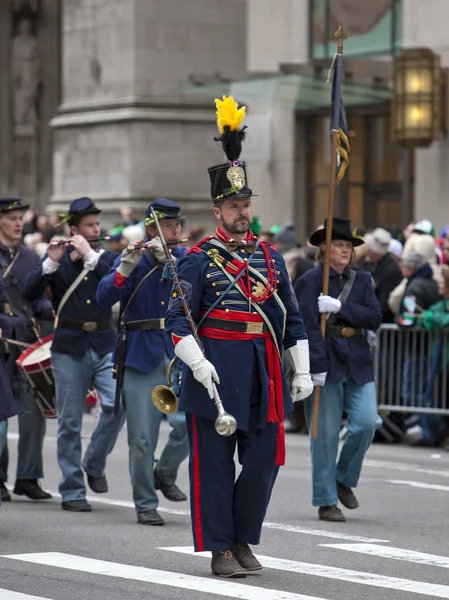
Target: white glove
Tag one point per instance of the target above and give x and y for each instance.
(319, 379)
(327, 304)
(298, 358)
(130, 258)
(158, 250)
(203, 371)
(91, 260)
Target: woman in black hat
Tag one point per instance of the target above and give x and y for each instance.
(342, 364)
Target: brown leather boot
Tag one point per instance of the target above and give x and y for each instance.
(347, 496)
(224, 564)
(330, 513)
(245, 557)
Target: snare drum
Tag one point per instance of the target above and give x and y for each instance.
(35, 364)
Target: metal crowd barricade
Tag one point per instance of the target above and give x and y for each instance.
(411, 370)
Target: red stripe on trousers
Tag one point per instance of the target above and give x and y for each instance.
(196, 490)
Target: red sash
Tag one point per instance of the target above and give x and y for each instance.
(275, 387)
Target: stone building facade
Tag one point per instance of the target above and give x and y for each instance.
(30, 38)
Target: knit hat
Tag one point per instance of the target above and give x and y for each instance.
(424, 226)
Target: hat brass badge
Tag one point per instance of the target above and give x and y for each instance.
(236, 177)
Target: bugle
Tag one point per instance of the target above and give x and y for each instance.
(225, 424)
(163, 396)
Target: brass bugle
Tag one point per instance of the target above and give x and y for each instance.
(91, 241)
(163, 396)
(172, 243)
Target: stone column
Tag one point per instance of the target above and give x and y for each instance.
(126, 132)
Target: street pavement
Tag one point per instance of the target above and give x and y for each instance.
(394, 547)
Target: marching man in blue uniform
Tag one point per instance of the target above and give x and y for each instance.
(81, 351)
(246, 312)
(142, 356)
(342, 364)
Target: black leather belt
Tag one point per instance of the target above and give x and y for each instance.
(239, 326)
(88, 326)
(346, 332)
(145, 325)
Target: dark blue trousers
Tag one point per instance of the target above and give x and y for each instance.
(224, 510)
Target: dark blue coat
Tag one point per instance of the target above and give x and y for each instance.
(7, 405)
(81, 305)
(144, 349)
(240, 364)
(340, 357)
(14, 326)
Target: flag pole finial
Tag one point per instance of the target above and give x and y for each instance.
(340, 35)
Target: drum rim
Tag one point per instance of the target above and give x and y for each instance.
(26, 353)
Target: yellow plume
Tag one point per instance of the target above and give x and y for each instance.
(228, 114)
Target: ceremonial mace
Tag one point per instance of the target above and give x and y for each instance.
(225, 424)
(340, 35)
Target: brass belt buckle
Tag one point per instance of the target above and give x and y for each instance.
(7, 309)
(253, 327)
(162, 323)
(347, 332)
(90, 326)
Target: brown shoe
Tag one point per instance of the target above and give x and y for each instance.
(330, 513)
(347, 496)
(224, 564)
(245, 557)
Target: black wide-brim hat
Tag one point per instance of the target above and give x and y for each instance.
(229, 180)
(10, 204)
(341, 230)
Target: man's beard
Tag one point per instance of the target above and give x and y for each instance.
(235, 227)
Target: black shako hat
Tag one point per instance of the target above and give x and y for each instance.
(341, 230)
(228, 180)
(9, 204)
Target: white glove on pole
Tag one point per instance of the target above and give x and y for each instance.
(158, 250)
(204, 372)
(327, 304)
(298, 358)
(130, 258)
(319, 379)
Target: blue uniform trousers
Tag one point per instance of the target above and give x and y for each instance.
(73, 376)
(359, 403)
(31, 426)
(222, 509)
(143, 423)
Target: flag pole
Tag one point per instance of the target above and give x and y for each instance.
(340, 35)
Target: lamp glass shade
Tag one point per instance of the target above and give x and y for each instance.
(417, 97)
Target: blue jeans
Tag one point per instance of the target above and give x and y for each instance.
(31, 427)
(359, 403)
(143, 421)
(73, 376)
(3, 430)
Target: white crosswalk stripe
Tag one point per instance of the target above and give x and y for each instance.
(360, 577)
(165, 578)
(9, 595)
(420, 558)
(244, 589)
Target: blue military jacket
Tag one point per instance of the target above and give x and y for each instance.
(241, 364)
(144, 349)
(81, 305)
(340, 357)
(14, 326)
(7, 405)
